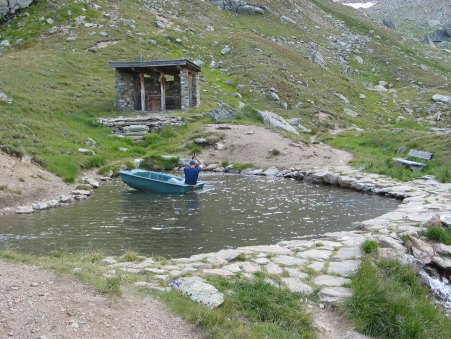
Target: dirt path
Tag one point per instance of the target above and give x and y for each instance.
(24, 183)
(35, 303)
(252, 144)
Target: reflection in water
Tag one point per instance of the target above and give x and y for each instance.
(231, 211)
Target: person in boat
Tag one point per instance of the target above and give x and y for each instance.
(192, 172)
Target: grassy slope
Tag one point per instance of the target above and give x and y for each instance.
(59, 87)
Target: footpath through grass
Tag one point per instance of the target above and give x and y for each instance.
(388, 301)
(375, 149)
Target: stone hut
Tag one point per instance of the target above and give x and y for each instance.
(154, 86)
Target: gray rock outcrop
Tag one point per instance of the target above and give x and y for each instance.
(11, 6)
(199, 291)
(276, 121)
(241, 7)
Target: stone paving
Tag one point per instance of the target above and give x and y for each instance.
(322, 265)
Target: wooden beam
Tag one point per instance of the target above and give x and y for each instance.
(143, 92)
(163, 91)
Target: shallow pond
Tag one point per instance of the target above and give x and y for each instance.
(231, 211)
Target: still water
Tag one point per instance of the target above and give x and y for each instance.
(231, 211)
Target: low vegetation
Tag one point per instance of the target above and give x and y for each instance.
(370, 247)
(388, 301)
(375, 149)
(438, 234)
(252, 309)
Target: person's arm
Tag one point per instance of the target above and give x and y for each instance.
(202, 166)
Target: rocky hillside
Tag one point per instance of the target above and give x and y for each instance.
(322, 63)
(414, 18)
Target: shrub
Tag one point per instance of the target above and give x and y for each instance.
(131, 256)
(94, 161)
(110, 286)
(225, 163)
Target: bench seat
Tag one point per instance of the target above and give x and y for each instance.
(414, 166)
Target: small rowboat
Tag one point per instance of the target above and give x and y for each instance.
(157, 182)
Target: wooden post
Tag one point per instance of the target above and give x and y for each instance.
(143, 92)
(163, 91)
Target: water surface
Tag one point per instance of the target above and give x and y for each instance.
(231, 211)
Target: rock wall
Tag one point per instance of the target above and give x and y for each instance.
(11, 6)
(138, 126)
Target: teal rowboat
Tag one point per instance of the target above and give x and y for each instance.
(157, 182)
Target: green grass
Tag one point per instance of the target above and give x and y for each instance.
(158, 162)
(242, 165)
(251, 309)
(438, 234)
(375, 149)
(388, 301)
(132, 256)
(370, 246)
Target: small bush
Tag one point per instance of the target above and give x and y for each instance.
(274, 152)
(105, 169)
(3, 187)
(92, 257)
(196, 149)
(110, 286)
(225, 163)
(158, 162)
(438, 234)
(370, 246)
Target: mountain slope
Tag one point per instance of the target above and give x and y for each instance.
(323, 59)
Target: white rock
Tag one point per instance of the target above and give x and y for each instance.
(344, 268)
(232, 268)
(315, 254)
(40, 206)
(330, 280)
(273, 268)
(249, 267)
(107, 262)
(199, 291)
(288, 261)
(271, 171)
(81, 192)
(25, 210)
(333, 294)
(294, 272)
(262, 261)
(218, 271)
(445, 99)
(346, 253)
(296, 285)
(446, 219)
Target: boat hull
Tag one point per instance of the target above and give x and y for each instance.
(149, 181)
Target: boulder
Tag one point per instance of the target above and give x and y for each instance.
(226, 50)
(271, 171)
(25, 210)
(199, 291)
(276, 121)
(318, 59)
(223, 112)
(343, 268)
(241, 7)
(445, 219)
(444, 99)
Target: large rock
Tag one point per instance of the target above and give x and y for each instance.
(288, 261)
(199, 291)
(343, 268)
(296, 285)
(445, 99)
(276, 121)
(330, 280)
(223, 112)
(241, 7)
(333, 294)
(11, 6)
(315, 254)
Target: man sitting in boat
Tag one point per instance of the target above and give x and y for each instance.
(192, 172)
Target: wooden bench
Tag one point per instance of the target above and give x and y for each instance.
(414, 165)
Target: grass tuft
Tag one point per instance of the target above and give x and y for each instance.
(110, 286)
(370, 246)
(132, 256)
(438, 234)
(388, 301)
